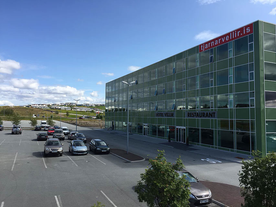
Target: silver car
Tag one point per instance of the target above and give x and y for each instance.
(65, 130)
(53, 147)
(77, 147)
(59, 134)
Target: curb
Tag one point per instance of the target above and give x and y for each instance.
(219, 203)
(125, 158)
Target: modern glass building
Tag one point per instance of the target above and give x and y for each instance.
(220, 94)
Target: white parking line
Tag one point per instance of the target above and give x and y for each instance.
(108, 199)
(2, 141)
(57, 201)
(44, 161)
(37, 142)
(20, 142)
(98, 159)
(2, 204)
(14, 161)
(72, 161)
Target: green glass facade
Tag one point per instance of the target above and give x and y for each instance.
(223, 97)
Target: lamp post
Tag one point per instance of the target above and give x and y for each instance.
(76, 113)
(128, 84)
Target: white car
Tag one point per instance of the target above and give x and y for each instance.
(65, 130)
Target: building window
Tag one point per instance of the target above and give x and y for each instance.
(170, 104)
(180, 104)
(191, 83)
(204, 57)
(194, 135)
(191, 61)
(222, 52)
(230, 100)
(222, 77)
(241, 100)
(207, 136)
(204, 80)
(191, 103)
(205, 102)
(222, 101)
(269, 42)
(241, 73)
(252, 99)
(170, 87)
(179, 85)
(161, 72)
(225, 139)
(270, 71)
(153, 74)
(270, 99)
(241, 46)
(180, 66)
(169, 68)
(230, 51)
(161, 105)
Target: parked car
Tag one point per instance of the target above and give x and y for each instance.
(72, 135)
(16, 129)
(53, 146)
(200, 194)
(46, 127)
(1, 127)
(59, 134)
(80, 136)
(77, 147)
(37, 128)
(56, 127)
(65, 130)
(51, 131)
(98, 145)
(42, 136)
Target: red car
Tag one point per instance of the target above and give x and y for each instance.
(51, 131)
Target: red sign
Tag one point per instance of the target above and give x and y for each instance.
(238, 33)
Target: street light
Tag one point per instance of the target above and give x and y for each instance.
(128, 84)
(76, 113)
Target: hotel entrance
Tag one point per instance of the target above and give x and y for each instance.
(180, 134)
(145, 129)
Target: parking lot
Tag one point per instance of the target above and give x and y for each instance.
(29, 179)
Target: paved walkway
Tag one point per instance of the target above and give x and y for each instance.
(223, 194)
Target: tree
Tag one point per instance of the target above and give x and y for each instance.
(67, 113)
(16, 119)
(50, 121)
(33, 121)
(99, 116)
(56, 112)
(258, 180)
(162, 186)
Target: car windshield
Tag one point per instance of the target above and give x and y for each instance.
(101, 143)
(188, 177)
(80, 135)
(58, 131)
(79, 144)
(53, 143)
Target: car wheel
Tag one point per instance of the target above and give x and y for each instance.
(60, 154)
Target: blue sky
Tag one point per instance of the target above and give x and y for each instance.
(55, 51)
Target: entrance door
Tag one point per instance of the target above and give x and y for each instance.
(180, 134)
(145, 129)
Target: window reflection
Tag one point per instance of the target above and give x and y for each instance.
(270, 42)
(241, 45)
(222, 77)
(222, 51)
(270, 71)
(225, 139)
(191, 83)
(241, 73)
(205, 102)
(271, 142)
(194, 135)
(270, 99)
(207, 136)
(242, 100)
(192, 61)
(222, 101)
(204, 81)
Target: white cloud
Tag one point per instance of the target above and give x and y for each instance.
(80, 80)
(61, 90)
(25, 83)
(7, 66)
(133, 68)
(273, 11)
(100, 83)
(108, 74)
(206, 35)
(6, 103)
(7, 88)
(263, 1)
(207, 1)
(94, 94)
